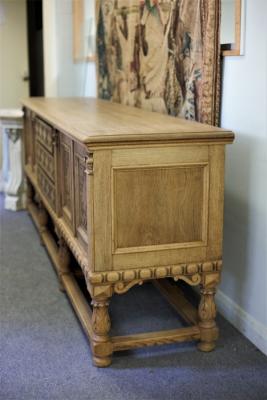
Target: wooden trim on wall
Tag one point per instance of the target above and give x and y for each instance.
(77, 21)
(235, 50)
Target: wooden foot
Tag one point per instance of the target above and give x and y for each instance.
(101, 344)
(207, 324)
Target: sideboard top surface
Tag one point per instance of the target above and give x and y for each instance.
(95, 121)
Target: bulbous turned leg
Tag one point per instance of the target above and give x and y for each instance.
(64, 261)
(207, 324)
(101, 344)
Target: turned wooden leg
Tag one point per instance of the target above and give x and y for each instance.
(101, 345)
(64, 261)
(207, 324)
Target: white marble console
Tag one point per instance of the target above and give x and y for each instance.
(12, 179)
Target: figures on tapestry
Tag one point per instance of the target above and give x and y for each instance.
(151, 54)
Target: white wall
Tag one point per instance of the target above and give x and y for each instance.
(13, 61)
(50, 48)
(243, 293)
(63, 77)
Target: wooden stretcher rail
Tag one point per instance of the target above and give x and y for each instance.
(177, 300)
(155, 338)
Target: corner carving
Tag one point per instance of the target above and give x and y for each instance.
(123, 287)
(192, 280)
(89, 170)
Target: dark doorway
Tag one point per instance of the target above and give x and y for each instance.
(35, 47)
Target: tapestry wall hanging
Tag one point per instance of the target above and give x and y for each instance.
(162, 56)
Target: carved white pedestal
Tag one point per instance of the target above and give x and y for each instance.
(12, 180)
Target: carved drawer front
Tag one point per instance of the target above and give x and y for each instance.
(44, 134)
(47, 187)
(46, 161)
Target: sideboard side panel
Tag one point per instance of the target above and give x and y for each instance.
(175, 197)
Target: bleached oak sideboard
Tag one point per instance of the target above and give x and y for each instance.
(133, 196)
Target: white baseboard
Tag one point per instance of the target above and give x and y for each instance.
(254, 330)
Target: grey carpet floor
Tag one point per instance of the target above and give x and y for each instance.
(45, 354)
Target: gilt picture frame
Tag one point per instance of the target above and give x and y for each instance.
(84, 36)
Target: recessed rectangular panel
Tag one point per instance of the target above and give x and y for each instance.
(159, 206)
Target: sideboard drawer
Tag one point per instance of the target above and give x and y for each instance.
(44, 134)
(47, 187)
(46, 161)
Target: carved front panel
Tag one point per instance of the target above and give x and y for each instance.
(66, 179)
(46, 161)
(44, 134)
(80, 184)
(160, 207)
(47, 187)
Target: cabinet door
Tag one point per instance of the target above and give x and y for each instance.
(66, 180)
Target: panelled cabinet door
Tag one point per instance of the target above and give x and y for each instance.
(66, 180)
